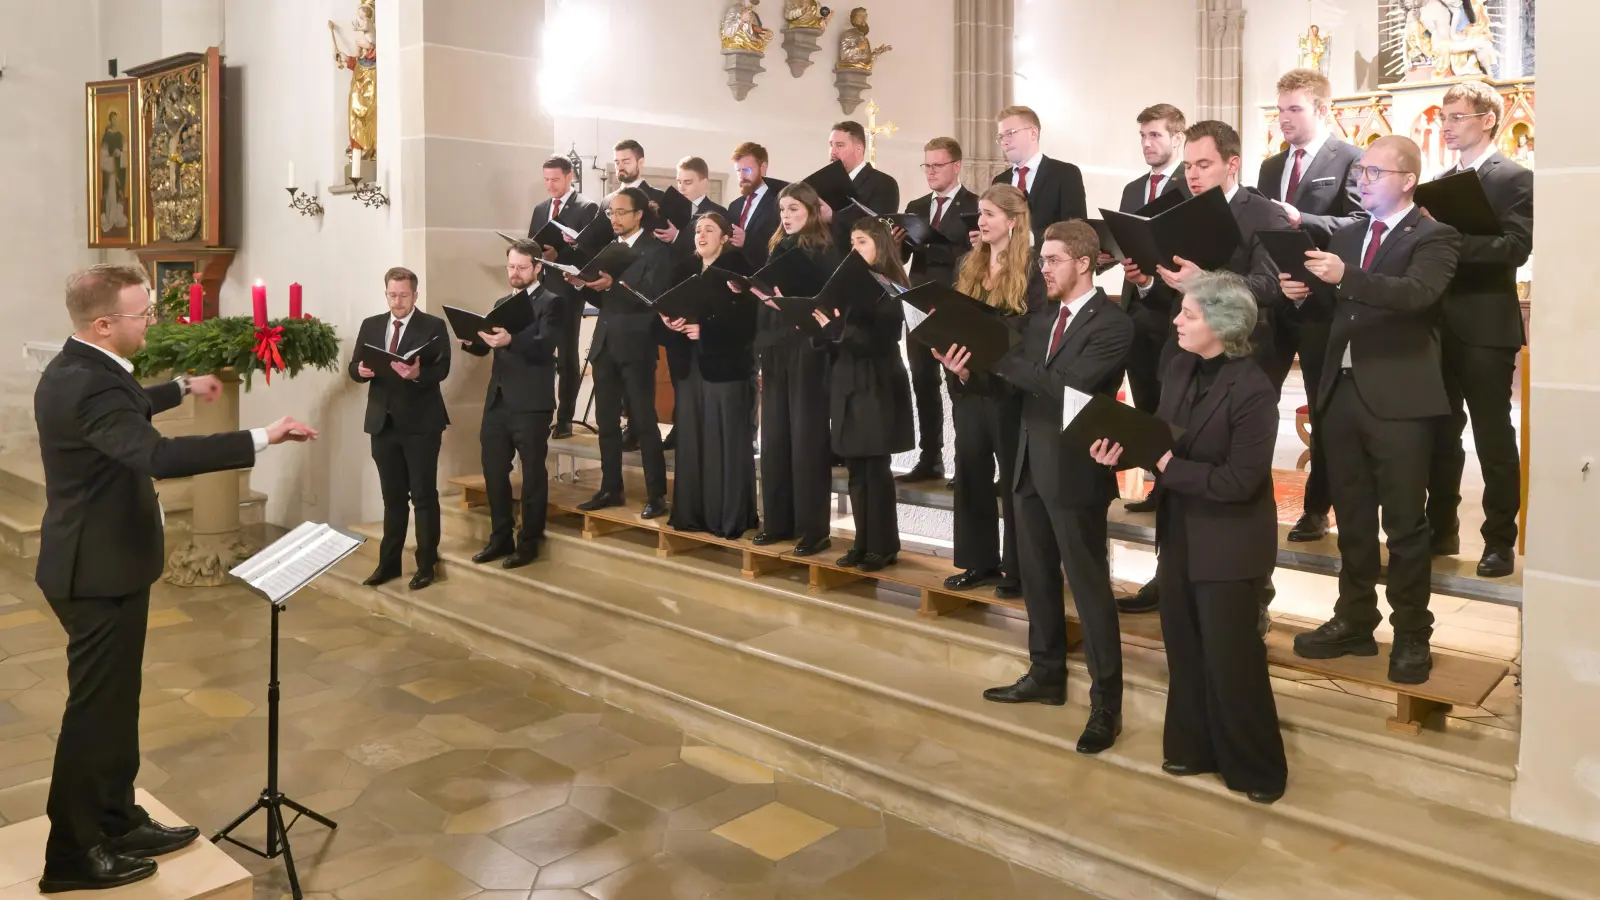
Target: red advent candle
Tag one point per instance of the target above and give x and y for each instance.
(294, 300)
(197, 302)
(258, 301)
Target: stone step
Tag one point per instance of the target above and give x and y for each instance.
(693, 660)
(21, 515)
(22, 474)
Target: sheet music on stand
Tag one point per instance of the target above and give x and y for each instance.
(295, 560)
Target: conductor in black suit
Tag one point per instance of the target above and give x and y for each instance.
(1381, 405)
(517, 409)
(942, 207)
(571, 209)
(622, 354)
(100, 549)
(406, 419)
(1482, 334)
(694, 178)
(754, 213)
(878, 191)
(1054, 188)
(1079, 340)
(1314, 182)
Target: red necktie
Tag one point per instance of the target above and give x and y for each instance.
(394, 342)
(938, 212)
(555, 208)
(1155, 181)
(1061, 328)
(1294, 176)
(1022, 181)
(1373, 241)
(744, 214)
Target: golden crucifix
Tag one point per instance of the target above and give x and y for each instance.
(874, 129)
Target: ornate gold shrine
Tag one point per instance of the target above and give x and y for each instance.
(180, 110)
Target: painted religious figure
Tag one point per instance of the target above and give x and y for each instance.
(363, 66)
(805, 14)
(112, 147)
(1453, 37)
(855, 50)
(741, 28)
(113, 178)
(1313, 48)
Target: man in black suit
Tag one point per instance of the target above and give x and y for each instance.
(942, 207)
(694, 178)
(406, 418)
(1054, 188)
(878, 191)
(628, 157)
(1483, 335)
(754, 213)
(517, 409)
(1314, 182)
(100, 549)
(1079, 341)
(572, 209)
(623, 355)
(1380, 406)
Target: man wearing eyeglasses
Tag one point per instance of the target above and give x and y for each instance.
(754, 213)
(942, 207)
(100, 549)
(1482, 336)
(1381, 398)
(1054, 188)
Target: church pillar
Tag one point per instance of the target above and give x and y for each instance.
(1558, 779)
(1221, 31)
(984, 71)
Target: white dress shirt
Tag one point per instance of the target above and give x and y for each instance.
(1166, 177)
(1032, 165)
(259, 435)
(1312, 149)
(857, 170)
(1389, 225)
(631, 239)
(1488, 151)
(566, 199)
(1069, 310)
(389, 336)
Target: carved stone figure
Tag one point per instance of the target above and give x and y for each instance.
(855, 50)
(363, 66)
(805, 14)
(741, 28)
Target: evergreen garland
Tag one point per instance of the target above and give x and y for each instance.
(229, 343)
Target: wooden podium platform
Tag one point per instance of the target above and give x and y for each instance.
(198, 871)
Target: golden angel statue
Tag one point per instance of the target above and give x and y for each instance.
(741, 28)
(805, 14)
(363, 66)
(1312, 48)
(855, 50)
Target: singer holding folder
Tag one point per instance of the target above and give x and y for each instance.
(1217, 543)
(714, 483)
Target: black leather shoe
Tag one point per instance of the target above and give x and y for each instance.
(1445, 545)
(492, 553)
(1148, 504)
(1497, 562)
(1101, 732)
(1410, 660)
(850, 559)
(1267, 797)
(1333, 639)
(1027, 690)
(525, 554)
(655, 509)
(1147, 600)
(422, 579)
(601, 500)
(764, 539)
(971, 578)
(153, 839)
(561, 432)
(97, 870)
(813, 548)
(922, 471)
(630, 442)
(1311, 527)
(950, 485)
(1008, 589)
(1183, 770)
(381, 575)
(875, 562)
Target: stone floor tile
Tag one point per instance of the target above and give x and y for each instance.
(673, 786)
(617, 809)
(829, 806)
(775, 831)
(719, 857)
(594, 863)
(553, 835)
(586, 748)
(497, 814)
(727, 765)
(426, 877)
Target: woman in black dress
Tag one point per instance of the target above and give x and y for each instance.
(714, 480)
(870, 398)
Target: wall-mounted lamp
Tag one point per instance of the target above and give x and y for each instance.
(367, 192)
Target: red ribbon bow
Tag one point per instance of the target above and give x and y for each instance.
(267, 341)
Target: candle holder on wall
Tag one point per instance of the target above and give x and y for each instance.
(368, 192)
(307, 204)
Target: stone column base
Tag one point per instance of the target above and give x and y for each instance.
(850, 84)
(800, 44)
(742, 67)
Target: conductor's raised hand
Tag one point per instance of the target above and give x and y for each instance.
(206, 387)
(497, 338)
(288, 429)
(408, 371)
(1105, 452)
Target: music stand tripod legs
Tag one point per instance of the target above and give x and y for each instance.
(272, 801)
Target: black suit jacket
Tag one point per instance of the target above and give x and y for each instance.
(415, 407)
(1056, 194)
(876, 190)
(576, 214)
(1092, 358)
(938, 262)
(1152, 314)
(763, 222)
(1136, 193)
(101, 534)
(1326, 195)
(1481, 308)
(1387, 317)
(1221, 469)
(524, 372)
(626, 328)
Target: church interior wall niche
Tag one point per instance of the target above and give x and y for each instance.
(112, 141)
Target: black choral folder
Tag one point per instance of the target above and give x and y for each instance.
(513, 315)
(675, 208)
(613, 260)
(832, 184)
(852, 284)
(1163, 202)
(1108, 245)
(1201, 229)
(378, 359)
(696, 297)
(1459, 201)
(793, 272)
(955, 319)
(970, 220)
(1144, 438)
(1287, 247)
(919, 231)
(796, 312)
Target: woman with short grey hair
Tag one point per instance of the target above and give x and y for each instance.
(1217, 544)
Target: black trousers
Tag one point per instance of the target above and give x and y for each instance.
(1144, 369)
(619, 381)
(408, 476)
(796, 448)
(1220, 710)
(1479, 382)
(987, 429)
(926, 374)
(1309, 339)
(1380, 463)
(97, 754)
(569, 365)
(873, 503)
(525, 434)
(1051, 538)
